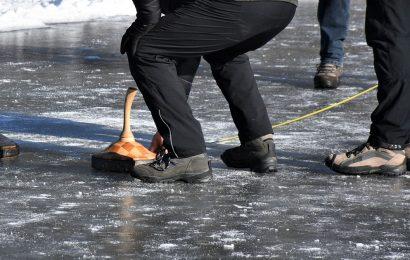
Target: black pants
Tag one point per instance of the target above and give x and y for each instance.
(221, 32)
(388, 33)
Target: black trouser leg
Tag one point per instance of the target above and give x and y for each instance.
(166, 97)
(186, 70)
(234, 76)
(200, 28)
(240, 90)
(186, 67)
(388, 33)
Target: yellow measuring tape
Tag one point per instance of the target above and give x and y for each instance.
(313, 113)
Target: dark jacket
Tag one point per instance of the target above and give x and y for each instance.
(149, 11)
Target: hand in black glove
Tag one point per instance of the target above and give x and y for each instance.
(132, 36)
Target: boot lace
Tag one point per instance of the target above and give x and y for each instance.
(358, 150)
(162, 160)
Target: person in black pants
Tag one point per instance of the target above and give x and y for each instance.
(222, 32)
(388, 33)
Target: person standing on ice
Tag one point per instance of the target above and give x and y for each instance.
(333, 17)
(388, 33)
(221, 31)
(8, 148)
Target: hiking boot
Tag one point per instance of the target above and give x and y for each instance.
(258, 155)
(8, 148)
(194, 169)
(407, 149)
(367, 159)
(328, 76)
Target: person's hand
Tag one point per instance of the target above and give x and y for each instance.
(156, 143)
(130, 39)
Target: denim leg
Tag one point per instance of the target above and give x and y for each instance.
(333, 16)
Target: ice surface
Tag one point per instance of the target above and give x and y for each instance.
(61, 106)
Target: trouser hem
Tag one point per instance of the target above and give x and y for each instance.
(376, 142)
(331, 61)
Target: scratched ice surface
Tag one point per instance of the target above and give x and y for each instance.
(61, 97)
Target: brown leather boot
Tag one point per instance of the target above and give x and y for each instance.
(8, 148)
(328, 76)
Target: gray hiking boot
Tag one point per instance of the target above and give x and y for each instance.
(408, 156)
(8, 148)
(258, 155)
(366, 159)
(328, 76)
(194, 169)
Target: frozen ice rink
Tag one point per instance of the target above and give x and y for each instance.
(61, 99)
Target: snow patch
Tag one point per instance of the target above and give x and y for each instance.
(167, 246)
(68, 205)
(29, 14)
(96, 228)
(23, 14)
(32, 219)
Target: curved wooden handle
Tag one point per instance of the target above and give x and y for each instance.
(126, 134)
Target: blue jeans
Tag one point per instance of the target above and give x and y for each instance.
(333, 16)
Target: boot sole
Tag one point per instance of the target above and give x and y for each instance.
(383, 170)
(325, 84)
(111, 165)
(111, 162)
(186, 177)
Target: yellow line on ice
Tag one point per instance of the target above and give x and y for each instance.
(313, 113)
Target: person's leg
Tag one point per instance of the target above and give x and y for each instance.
(8, 148)
(186, 70)
(245, 102)
(388, 33)
(166, 97)
(196, 29)
(186, 67)
(183, 157)
(234, 76)
(333, 17)
(257, 149)
(192, 31)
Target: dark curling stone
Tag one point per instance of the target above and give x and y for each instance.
(112, 162)
(8, 148)
(122, 156)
